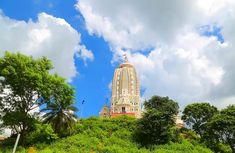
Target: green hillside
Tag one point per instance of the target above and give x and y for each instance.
(94, 135)
(59, 129)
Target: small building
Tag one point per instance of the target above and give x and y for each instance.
(105, 112)
(179, 122)
(2, 137)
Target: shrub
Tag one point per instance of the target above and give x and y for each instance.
(43, 133)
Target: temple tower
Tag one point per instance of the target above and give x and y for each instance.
(125, 91)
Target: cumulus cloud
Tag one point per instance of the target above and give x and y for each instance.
(173, 54)
(48, 36)
(184, 74)
(84, 53)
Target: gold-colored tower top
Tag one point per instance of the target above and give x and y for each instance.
(125, 62)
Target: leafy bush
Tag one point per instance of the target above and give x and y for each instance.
(184, 147)
(96, 135)
(43, 133)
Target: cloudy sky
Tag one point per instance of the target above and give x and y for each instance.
(184, 49)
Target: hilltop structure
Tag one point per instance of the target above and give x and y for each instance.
(125, 98)
(105, 112)
(178, 121)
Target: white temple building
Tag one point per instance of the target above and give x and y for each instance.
(125, 98)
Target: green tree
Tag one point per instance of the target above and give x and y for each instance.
(42, 133)
(222, 127)
(155, 127)
(60, 112)
(24, 85)
(196, 116)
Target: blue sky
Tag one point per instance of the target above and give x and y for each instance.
(183, 49)
(92, 82)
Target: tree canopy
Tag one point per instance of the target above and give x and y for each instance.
(196, 116)
(60, 112)
(26, 84)
(155, 125)
(222, 127)
(25, 81)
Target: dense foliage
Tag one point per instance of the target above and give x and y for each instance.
(94, 135)
(26, 84)
(196, 115)
(215, 128)
(41, 133)
(157, 124)
(222, 127)
(60, 112)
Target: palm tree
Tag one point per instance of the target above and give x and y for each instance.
(60, 115)
(60, 112)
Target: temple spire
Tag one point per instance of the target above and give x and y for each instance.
(125, 98)
(125, 58)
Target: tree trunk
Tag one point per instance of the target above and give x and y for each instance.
(22, 138)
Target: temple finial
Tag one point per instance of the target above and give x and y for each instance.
(125, 58)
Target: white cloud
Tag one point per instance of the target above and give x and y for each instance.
(48, 36)
(129, 25)
(84, 53)
(180, 61)
(185, 74)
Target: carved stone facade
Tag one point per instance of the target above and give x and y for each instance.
(125, 98)
(125, 91)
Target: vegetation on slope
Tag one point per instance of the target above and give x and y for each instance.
(31, 85)
(94, 135)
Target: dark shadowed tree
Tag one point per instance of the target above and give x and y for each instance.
(60, 112)
(222, 127)
(196, 116)
(155, 125)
